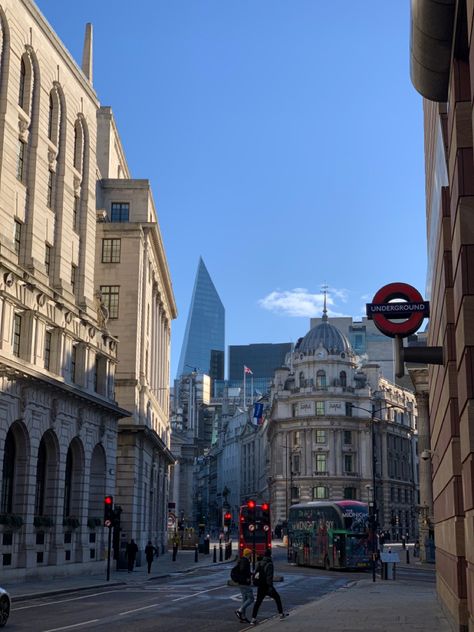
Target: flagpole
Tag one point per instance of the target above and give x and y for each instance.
(251, 395)
(244, 389)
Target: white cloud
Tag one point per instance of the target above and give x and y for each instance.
(301, 302)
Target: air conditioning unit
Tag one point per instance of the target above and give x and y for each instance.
(101, 215)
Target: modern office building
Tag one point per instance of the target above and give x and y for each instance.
(204, 338)
(262, 359)
(442, 71)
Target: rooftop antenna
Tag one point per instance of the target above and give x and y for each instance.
(325, 311)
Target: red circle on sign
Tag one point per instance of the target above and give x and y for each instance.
(406, 292)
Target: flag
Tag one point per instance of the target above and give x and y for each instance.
(247, 370)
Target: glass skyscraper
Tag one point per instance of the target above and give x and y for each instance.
(204, 338)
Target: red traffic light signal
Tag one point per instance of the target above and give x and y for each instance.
(227, 519)
(265, 507)
(108, 511)
(251, 504)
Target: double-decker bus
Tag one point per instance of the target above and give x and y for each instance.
(329, 534)
(255, 531)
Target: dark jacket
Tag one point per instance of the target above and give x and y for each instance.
(265, 568)
(132, 550)
(244, 570)
(150, 551)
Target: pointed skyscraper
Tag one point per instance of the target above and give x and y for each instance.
(204, 338)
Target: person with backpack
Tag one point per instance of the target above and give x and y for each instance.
(263, 579)
(241, 575)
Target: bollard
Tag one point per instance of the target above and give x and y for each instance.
(196, 553)
(220, 553)
(408, 556)
(214, 557)
(175, 552)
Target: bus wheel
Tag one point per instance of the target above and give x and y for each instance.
(327, 566)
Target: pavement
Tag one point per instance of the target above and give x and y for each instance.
(362, 606)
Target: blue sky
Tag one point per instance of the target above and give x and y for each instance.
(283, 141)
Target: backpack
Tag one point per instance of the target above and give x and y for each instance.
(236, 574)
(260, 578)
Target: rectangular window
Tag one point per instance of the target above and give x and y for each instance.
(347, 437)
(47, 258)
(296, 438)
(111, 250)
(295, 493)
(348, 463)
(47, 349)
(348, 409)
(73, 278)
(350, 493)
(73, 363)
(320, 408)
(20, 165)
(49, 195)
(119, 212)
(17, 236)
(16, 335)
(295, 468)
(110, 298)
(321, 463)
(75, 213)
(320, 492)
(321, 436)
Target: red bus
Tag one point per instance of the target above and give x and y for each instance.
(255, 531)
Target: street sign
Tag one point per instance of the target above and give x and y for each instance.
(251, 527)
(171, 521)
(409, 306)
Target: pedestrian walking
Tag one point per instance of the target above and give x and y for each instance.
(131, 551)
(150, 552)
(263, 578)
(242, 575)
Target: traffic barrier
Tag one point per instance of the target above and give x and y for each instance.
(175, 552)
(196, 553)
(220, 553)
(214, 556)
(408, 556)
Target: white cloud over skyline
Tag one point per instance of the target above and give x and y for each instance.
(302, 302)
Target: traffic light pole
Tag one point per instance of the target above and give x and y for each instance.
(109, 549)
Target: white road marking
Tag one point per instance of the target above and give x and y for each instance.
(75, 625)
(199, 593)
(50, 603)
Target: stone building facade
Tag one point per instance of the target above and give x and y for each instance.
(134, 285)
(59, 417)
(442, 68)
(320, 433)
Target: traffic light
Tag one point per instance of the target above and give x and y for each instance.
(108, 511)
(266, 514)
(227, 519)
(251, 511)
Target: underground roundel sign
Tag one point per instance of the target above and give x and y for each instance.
(398, 309)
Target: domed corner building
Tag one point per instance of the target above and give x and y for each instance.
(320, 439)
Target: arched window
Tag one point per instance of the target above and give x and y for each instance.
(8, 473)
(40, 479)
(21, 90)
(343, 378)
(68, 483)
(50, 116)
(78, 146)
(97, 482)
(321, 379)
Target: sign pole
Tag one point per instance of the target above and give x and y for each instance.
(109, 546)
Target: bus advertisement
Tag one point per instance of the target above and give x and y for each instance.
(329, 534)
(255, 531)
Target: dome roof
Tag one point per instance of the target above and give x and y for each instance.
(327, 336)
